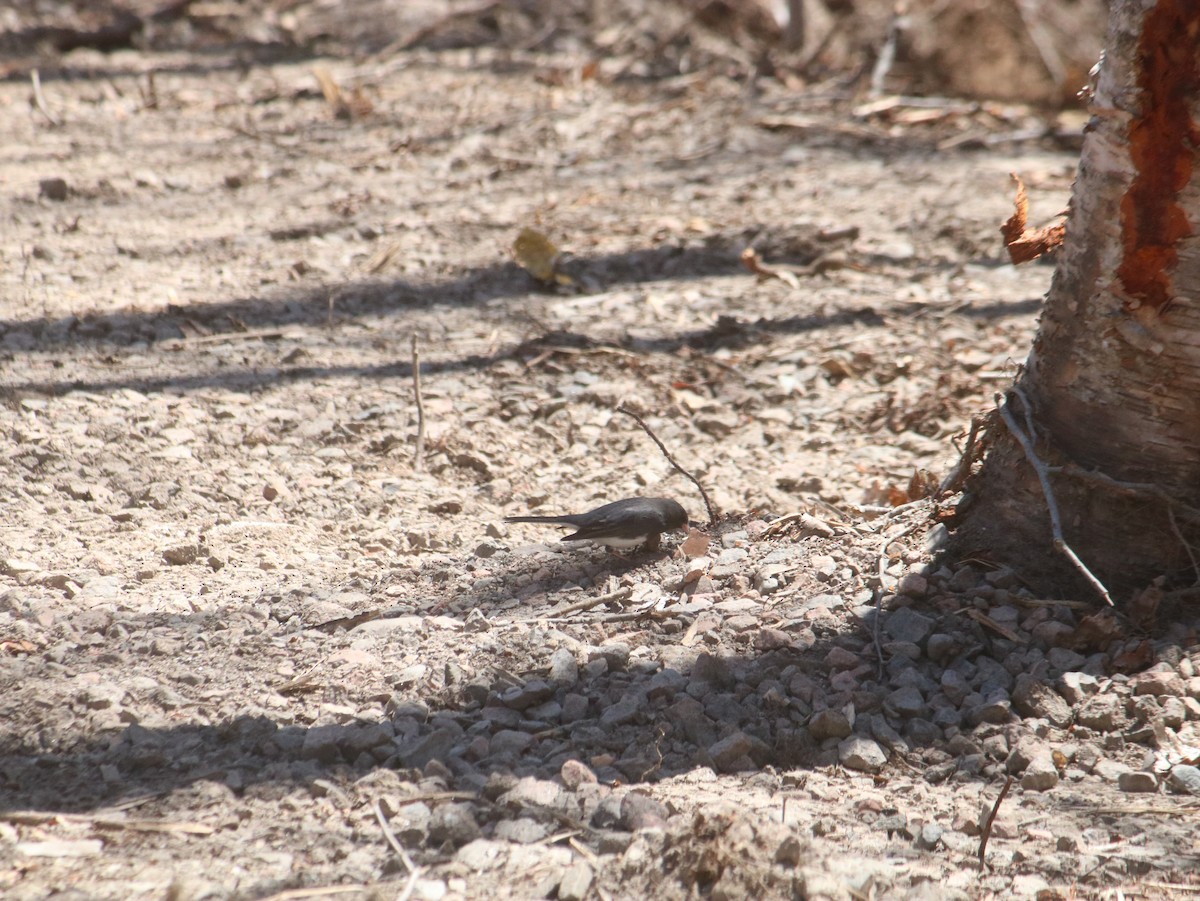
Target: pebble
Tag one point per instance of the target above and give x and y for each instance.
(906, 702)
(829, 723)
(713, 670)
(1076, 687)
(929, 837)
(858, 753)
(941, 647)
(1158, 682)
(453, 825)
(1137, 781)
(1104, 713)
(730, 749)
(1041, 774)
(906, 624)
(575, 773)
(576, 882)
(1032, 697)
(639, 811)
(1184, 779)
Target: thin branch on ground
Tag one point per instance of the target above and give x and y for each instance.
(297, 894)
(957, 476)
(419, 453)
(413, 870)
(1043, 474)
(887, 55)
(712, 515)
(586, 604)
(987, 826)
(39, 99)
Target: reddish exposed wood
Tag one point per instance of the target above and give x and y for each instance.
(1162, 141)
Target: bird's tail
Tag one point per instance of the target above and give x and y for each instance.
(556, 520)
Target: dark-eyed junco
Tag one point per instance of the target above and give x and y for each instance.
(633, 522)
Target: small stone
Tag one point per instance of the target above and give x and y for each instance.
(575, 773)
(617, 655)
(1103, 713)
(624, 711)
(830, 723)
(576, 882)
(528, 695)
(905, 702)
(1137, 781)
(453, 825)
(929, 837)
(1076, 687)
(418, 751)
(1065, 660)
(858, 753)
(841, 658)
(482, 855)
(1158, 684)
(823, 567)
(53, 189)
(906, 624)
(511, 742)
(913, 585)
(1041, 774)
(730, 749)
(533, 794)
(181, 555)
(574, 707)
(1110, 770)
(1032, 697)
(522, 830)
(411, 823)
(996, 709)
(563, 668)
(769, 639)
(1184, 779)
(941, 647)
(714, 670)
(639, 811)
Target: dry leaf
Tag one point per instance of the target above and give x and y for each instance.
(537, 255)
(695, 545)
(751, 260)
(1026, 244)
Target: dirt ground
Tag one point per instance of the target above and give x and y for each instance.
(251, 646)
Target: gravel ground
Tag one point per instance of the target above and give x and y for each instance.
(250, 648)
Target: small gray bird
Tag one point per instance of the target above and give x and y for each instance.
(632, 522)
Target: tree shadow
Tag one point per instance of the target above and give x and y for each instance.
(312, 308)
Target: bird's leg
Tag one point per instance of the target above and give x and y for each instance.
(652, 542)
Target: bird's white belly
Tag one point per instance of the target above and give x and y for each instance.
(619, 543)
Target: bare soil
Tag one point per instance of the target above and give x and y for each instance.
(246, 642)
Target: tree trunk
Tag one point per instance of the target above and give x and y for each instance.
(1113, 381)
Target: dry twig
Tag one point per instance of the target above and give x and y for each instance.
(586, 604)
(297, 894)
(413, 870)
(1043, 474)
(957, 476)
(887, 53)
(987, 826)
(39, 99)
(712, 515)
(419, 453)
